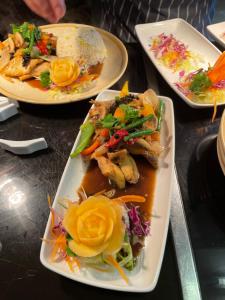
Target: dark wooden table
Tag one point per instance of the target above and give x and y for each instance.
(24, 184)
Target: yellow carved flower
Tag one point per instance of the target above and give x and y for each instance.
(64, 71)
(96, 226)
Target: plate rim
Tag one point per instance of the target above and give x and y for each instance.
(166, 226)
(211, 31)
(177, 20)
(59, 102)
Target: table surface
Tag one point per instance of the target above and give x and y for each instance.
(25, 182)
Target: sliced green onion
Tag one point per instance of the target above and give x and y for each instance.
(138, 122)
(138, 134)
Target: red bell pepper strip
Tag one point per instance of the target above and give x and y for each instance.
(117, 137)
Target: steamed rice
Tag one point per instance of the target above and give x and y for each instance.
(82, 43)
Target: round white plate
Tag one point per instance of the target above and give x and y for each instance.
(114, 67)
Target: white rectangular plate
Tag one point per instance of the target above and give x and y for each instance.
(185, 33)
(145, 275)
(216, 30)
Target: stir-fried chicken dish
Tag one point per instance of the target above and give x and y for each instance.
(68, 63)
(118, 130)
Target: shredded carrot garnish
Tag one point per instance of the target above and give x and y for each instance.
(60, 244)
(130, 198)
(214, 110)
(70, 263)
(49, 201)
(76, 260)
(115, 264)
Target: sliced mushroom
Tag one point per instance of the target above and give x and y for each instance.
(127, 165)
(112, 171)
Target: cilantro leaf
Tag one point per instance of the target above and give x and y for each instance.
(200, 82)
(29, 32)
(109, 121)
(130, 112)
(45, 79)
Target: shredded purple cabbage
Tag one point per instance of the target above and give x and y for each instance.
(138, 226)
(219, 85)
(58, 228)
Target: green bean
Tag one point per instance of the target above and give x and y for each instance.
(138, 122)
(138, 134)
(160, 114)
(87, 130)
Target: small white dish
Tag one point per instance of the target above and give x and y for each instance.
(23, 147)
(145, 275)
(184, 32)
(217, 30)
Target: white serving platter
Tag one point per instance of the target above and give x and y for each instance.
(145, 275)
(217, 30)
(185, 33)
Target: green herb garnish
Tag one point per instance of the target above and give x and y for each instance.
(130, 112)
(30, 34)
(109, 121)
(45, 79)
(199, 83)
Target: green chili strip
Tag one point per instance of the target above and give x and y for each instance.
(138, 134)
(87, 130)
(138, 122)
(160, 114)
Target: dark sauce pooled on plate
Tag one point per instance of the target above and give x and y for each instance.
(94, 182)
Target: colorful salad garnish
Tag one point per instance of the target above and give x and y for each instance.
(173, 54)
(205, 86)
(99, 233)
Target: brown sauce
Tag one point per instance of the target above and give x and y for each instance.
(94, 182)
(36, 84)
(96, 69)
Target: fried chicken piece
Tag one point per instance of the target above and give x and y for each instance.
(112, 171)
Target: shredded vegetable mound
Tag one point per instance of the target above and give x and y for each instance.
(173, 54)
